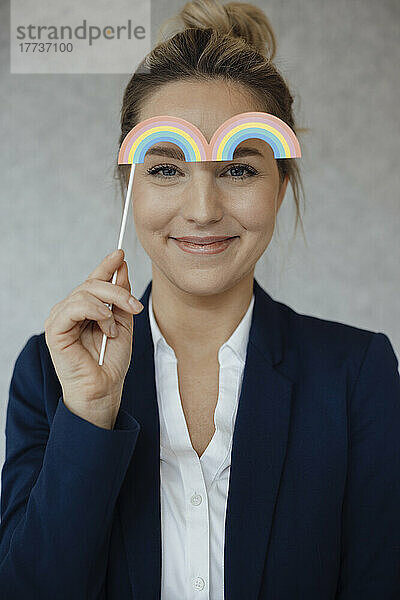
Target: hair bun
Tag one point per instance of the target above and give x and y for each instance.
(238, 19)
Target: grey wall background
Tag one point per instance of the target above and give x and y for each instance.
(61, 213)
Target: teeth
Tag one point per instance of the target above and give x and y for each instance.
(205, 243)
(197, 245)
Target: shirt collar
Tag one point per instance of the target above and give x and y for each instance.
(237, 342)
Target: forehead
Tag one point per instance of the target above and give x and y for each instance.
(205, 104)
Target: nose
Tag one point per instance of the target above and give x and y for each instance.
(202, 200)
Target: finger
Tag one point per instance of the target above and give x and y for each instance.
(123, 278)
(79, 308)
(105, 270)
(118, 293)
(110, 293)
(108, 326)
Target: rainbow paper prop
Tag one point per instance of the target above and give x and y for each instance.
(163, 129)
(264, 126)
(194, 145)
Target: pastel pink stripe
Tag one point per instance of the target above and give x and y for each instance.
(165, 121)
(235, 121)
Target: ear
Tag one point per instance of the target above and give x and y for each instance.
(282, 191)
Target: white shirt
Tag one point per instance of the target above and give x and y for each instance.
(194, 490)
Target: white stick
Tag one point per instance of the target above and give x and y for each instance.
(121, 237)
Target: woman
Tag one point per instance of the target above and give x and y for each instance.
(246, 451)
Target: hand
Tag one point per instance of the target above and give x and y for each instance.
(74, 331)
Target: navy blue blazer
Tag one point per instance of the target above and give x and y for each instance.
(314, 490)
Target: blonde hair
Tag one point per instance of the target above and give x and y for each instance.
(207, 40)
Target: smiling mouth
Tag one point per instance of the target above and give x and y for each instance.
(203, 243)
(205, 248)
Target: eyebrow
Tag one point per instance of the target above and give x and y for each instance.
(177, 153)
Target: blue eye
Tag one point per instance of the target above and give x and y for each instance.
(166, 171)
(249, 171)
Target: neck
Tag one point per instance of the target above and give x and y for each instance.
(197, 325)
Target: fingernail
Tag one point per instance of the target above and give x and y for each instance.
(116, 253)
(114, 330)
(136, 304)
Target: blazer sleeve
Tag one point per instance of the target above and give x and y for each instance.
(59, 489)
(370, 542)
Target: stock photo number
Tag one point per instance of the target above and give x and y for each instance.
(45, 47)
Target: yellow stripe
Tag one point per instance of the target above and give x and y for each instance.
(160, 128)
(232, 132)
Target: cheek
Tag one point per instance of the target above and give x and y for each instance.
(255, 211)
(151, 211)
(252, 208)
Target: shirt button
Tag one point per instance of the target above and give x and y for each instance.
(199, 583)
(196, 499)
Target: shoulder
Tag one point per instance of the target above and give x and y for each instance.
(332, 345)
(327, 333)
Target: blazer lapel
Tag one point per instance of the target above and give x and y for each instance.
(258, 451)
(139, 499)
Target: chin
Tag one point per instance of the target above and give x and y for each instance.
(202, 282)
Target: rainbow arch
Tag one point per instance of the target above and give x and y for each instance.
(163, 129)
(194, 145)
(264, 126)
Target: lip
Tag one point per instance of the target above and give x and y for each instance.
(209, 248)
(203, 240)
